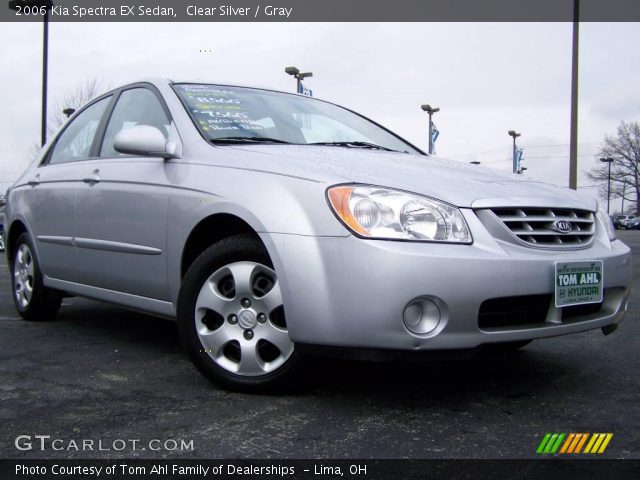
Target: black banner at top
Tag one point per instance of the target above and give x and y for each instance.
(320, 10)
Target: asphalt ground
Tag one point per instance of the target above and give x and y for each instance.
(99, 372)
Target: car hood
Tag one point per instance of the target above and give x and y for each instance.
(460, 184)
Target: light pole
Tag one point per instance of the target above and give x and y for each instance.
(430, 110)
(514, 134)
(573, 135)
(608, 160)
(47, 5)
(295, 73)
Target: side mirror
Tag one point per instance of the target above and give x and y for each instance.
(144, 140)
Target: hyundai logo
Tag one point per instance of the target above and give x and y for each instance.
(562, 226)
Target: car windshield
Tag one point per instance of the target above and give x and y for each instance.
(227, 115)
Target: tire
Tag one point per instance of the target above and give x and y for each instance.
(230, 290)
(32, 299)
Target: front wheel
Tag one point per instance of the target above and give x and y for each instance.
(32, 299)
(231, 318)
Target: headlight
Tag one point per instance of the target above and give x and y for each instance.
(608, 224)
(383, 213)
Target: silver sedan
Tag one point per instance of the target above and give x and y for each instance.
(271, 224)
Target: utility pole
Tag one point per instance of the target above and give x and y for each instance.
(430, 110)
(573, 141)
(295, 73)
(45, 74)
(47, 5)
(514, 134)
(608, 160)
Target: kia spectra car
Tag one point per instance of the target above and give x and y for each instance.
(271, 224)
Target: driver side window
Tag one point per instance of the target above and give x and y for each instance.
(137, 106)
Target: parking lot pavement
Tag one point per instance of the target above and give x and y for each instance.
(100, 372)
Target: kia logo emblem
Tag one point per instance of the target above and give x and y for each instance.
(562, 226)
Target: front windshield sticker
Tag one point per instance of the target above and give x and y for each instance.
(217, 109)
(227, 115)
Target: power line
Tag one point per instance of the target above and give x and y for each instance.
(561, 144)
(526, 157)
(524, 146)
(478, 153)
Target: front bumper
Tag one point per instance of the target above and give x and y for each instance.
(349, 292)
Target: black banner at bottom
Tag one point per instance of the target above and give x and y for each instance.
(129, 469)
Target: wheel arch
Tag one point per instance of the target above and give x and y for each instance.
(210, 230)
(14, 231)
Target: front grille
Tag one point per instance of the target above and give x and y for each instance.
(536, 226)
(521, 311)
(528, 311)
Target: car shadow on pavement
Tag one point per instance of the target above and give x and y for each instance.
(511, 375)
(506, 375)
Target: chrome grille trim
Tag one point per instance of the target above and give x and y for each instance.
(535, 226)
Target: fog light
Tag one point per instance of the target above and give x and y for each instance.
(421, 316)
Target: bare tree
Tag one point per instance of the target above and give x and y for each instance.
(624, 148)
(74, 98)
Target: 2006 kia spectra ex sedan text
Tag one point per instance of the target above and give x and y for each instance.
(268, 222)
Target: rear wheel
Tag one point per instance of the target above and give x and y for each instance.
(231, 318)
(32, 299)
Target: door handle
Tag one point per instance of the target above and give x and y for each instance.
(35, 181)
(92, 178)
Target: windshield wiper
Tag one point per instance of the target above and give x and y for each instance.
(354, 144)
(248, 140)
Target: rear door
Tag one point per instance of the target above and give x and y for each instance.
(49, 191)
(121, 205)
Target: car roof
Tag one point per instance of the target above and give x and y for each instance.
(168, 81)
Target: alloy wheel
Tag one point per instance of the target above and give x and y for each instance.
(23, 275)
(239, 319)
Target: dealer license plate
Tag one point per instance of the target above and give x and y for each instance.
(578, 283)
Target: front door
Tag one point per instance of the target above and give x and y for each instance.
(121, 207)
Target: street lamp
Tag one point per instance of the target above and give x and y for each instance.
(69, 111)
(475, 162)
(47, 5)
(430, 110)
(295, 73)
(608, 160)
(514, 134)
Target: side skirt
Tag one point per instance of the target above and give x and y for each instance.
(135, 302)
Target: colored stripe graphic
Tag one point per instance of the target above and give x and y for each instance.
(572, 443)
(581, 443)
(605, 443)
(568, 442)
(598, 443)
(550, 443)
(592, 440)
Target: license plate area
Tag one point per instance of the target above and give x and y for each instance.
(578, 283)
